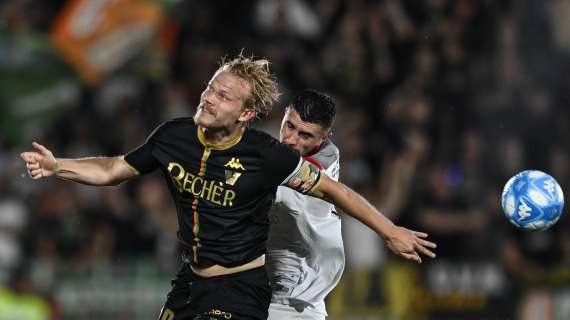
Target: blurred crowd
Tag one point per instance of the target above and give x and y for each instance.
(439, 103)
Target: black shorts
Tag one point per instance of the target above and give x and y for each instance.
(242, 295)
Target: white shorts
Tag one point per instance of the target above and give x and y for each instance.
(278, 311)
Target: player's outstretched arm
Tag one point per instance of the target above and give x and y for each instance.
(102, 171)
(403, 242)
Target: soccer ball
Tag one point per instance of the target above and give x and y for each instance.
(532, 200)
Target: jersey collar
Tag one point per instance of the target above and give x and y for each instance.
(220, 146)
(318, 148)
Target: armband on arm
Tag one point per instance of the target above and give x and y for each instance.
(304, 178)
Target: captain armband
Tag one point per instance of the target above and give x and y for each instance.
(306, 177)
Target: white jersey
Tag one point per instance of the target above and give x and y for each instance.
(305, 256)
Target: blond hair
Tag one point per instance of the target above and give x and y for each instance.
(263, 85)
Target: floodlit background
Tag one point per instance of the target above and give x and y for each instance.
(440, 102)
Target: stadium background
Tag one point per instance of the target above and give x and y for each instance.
(440, 102)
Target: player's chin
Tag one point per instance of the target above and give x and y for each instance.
(203, 119)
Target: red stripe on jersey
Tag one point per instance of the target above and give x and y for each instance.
(315, 162)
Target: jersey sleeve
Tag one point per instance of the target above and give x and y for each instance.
(141, 159)
(287, 168)
(304, 178)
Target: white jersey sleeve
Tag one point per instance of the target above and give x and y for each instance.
(305, 256)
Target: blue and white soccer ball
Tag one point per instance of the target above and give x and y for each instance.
(532, 200)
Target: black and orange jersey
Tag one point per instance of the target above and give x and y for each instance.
(222, 192)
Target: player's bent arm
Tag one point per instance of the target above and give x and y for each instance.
(99, 171)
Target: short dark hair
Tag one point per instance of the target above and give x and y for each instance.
(315, 107)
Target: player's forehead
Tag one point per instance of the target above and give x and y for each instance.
(225, 80)
(293, 116)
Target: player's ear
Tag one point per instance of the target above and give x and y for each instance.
(247, 115)
(326, 136)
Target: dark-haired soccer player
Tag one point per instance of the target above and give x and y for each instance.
(305, 254)
(223, 177)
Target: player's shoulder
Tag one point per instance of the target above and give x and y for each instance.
(329, 149)
(271, 149)
(174, 125)
(178, 123)
(327, 155)
(259, 138)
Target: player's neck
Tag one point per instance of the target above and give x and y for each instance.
(221, 136)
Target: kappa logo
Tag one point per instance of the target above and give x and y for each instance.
(234, 164)
(549, 186)
(524, 210)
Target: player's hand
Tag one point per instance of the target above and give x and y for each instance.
(40, 162)
(410, 244)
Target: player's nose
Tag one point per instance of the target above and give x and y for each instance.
(290, 139)
(208, 97)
